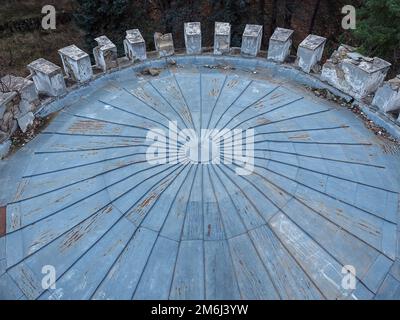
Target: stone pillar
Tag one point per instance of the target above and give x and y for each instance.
(105, 54)
(164, 44)
(48, 78)
(76, 63)
(353, 73)
(280, 45)
(251, 40)
(192, 32)
(387, 98)
(310, 51)
(222, 38)
(135, 46)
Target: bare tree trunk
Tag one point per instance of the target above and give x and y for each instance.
(273, 16)
(314, 16)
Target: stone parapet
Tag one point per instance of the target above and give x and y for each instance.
(346, 72)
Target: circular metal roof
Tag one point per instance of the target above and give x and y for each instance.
(322, 194)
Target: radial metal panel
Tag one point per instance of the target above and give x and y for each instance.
(322, 195)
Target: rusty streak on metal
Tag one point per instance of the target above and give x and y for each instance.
(3, 219)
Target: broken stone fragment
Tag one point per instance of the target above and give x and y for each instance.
(164, 44)
(222, 38)
(251, 40)
(4, 148)
(48, 78)
(353, 73)
(387, 98)
(9, 106)
(280, 44)
(25, 121)
(192, 32)
(151, 71)
(26, 89)
(135, 46)
(105, 54)
(310, 52)
(76, 62)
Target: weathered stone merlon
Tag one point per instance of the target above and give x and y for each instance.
(280, 44)
(105, 54)
(164, 44)
(251, 40)
(76, 63)
(353, 73)
(387, 98)
(310, 52)
(135, 46)
(192, 37)
(222, 38)
(48, 77)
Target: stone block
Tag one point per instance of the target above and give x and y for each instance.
(4, 148)
(105, 54)
(280, 45)
(76, 62)
(25, 121)
(387, 98)
(222, 38)
(48, 78)
(354, 74)
(251, 40)
(9, 105)
(27, 92)
(192, 31)
(164, 44)
(26, 88)
(135, 46)
(310, 52)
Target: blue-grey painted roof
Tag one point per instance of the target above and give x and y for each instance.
(81, 197)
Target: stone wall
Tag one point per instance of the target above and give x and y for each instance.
(348, 72)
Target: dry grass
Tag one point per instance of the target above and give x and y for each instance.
(19, 49)
(21, 9)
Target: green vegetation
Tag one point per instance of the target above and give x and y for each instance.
(378, 29)
(111, 18)
(22, 39)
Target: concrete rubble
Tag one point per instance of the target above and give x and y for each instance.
(21, 100)
(353, 73)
